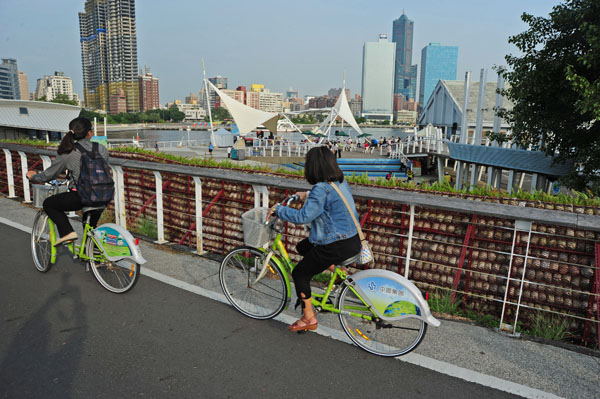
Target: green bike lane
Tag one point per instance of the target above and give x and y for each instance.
(63, 335)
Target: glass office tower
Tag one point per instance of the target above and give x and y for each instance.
(377, 79)
(437, 63)
(9, 80)
(405, 74)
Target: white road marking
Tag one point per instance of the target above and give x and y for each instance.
(412, 358)
(15, 225)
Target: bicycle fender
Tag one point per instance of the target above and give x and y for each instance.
(117, 243)
(392, 296)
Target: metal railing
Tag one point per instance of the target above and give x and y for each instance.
(514, 262)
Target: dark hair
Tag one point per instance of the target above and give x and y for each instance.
(321, 166)
(78, 129)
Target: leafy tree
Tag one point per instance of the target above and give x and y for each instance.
(555, 88)
(361, 119)
(175, 115)
(64, 99)
(303, 119)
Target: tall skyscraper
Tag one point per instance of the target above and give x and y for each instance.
(109, 54)
(23, 86)
(405, 74)
(378, 79)
(437, 62)
(9, 80)
(149, 92)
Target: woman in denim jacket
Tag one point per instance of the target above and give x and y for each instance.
(333, 237)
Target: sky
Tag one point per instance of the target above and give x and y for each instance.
(305, 45)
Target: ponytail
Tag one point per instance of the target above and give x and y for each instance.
(67, 144)
(78, 129)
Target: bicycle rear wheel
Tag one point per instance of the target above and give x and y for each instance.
(117, 277)
(262, 299)
(41, 247)
(384, 337)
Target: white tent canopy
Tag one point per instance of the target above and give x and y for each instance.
(247, 118)
(341, 109)
(223, 138)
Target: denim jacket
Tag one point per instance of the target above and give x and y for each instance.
(327, 214)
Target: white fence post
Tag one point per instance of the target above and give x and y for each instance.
(160, 227)
(410, 235)
(520, 225)
(9, 174)
(26, 192)
(46, 162)
(258, 192)
(199, 237)
(120, 216)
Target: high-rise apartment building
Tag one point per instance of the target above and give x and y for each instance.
(149, 96)
(49, 87)
(270, 102)
(219, 81)
(378, 79)
(237, 95)
(252, 99)
(405, 74)
(23, 86)
(221, 84)
(109, 53)
(9, 80)
(243, 90)
(437, 63)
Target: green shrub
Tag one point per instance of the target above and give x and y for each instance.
(548, 325)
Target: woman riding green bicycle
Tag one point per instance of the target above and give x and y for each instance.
(333, 236)
(69, 158)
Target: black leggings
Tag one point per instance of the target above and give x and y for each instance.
(317, 258)
(56, 205)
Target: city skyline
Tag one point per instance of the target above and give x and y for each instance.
(259, 43)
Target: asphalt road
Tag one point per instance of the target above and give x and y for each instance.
(63, 336)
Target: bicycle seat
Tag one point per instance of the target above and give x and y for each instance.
(87, 209)
(350, 260)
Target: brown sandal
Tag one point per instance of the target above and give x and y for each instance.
(305, 326)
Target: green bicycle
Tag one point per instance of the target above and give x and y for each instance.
(111, 252)
(380, 311)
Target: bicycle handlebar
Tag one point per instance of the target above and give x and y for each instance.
(56, 183)
(287, 201)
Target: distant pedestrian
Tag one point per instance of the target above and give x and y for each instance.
(409, 175)
(388, 176)
(210, 149)
(228, 152)
(156, 145)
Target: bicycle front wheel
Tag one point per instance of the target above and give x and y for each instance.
(117, 277)
(258, 298)
(383, 337)
(41, 246)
